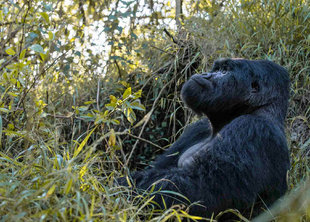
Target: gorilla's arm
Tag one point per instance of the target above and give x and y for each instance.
(232, 169)
(193, 134)
(196, 132)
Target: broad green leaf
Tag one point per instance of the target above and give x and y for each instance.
(50, 35)
(4, 110)
(130, 115)
(10, 51)
(137, 105)
(112, 138)
(43, 56)
(37, 48)
(48, 7)
(137, 94)
(113, 99)
(83, 108)
(100, 119)
(45, 17)
(22, 54)
(115, 122)
(127, 93)
(110, 106)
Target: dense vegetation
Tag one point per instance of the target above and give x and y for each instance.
(90, 89)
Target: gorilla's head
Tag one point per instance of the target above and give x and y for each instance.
(237, 86)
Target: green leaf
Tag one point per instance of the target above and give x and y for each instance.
(50, 191)
(48, 7)
(100, 119)
(115, 122)
(90, 102)
(133, 35)
(1, 16)
(12, 94)
(43, 56)
(110, 106)
(83, 143)
(50, 35)
(78, 53)
(120, 29)
(138, 94)
(45, 17)
(4, 110)
(113, 99)
(22, 54)
(83, 108)
(68, 186)
(130, 115)
(137, 105)
(127, 93)
(10, 51)
(37, 48)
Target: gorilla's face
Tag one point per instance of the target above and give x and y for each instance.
(235, 87)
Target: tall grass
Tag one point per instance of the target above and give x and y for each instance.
(62, 168)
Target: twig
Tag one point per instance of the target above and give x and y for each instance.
(118, 68)
(171, 36)
(145, 140)
(24, 25)
(98, 90)
(65, 117)
(161, 50)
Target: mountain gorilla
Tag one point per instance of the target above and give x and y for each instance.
(237, 154)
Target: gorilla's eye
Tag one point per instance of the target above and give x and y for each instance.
(227, 68)
(255, 87)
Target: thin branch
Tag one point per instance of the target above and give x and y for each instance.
(98, 91)
(118, 69)
(161, 50)
(171, 36)
(145, 140)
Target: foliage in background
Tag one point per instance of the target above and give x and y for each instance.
(91, 88)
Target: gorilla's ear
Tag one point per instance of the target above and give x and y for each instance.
(255, 87)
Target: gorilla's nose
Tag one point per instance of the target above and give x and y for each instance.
(201, 80)
(206, 75)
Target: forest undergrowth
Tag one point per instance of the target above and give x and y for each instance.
(67, 131)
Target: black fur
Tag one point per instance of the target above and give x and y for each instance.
(238, 154)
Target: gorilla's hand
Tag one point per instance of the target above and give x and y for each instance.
(187, 159)
(186, 162)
